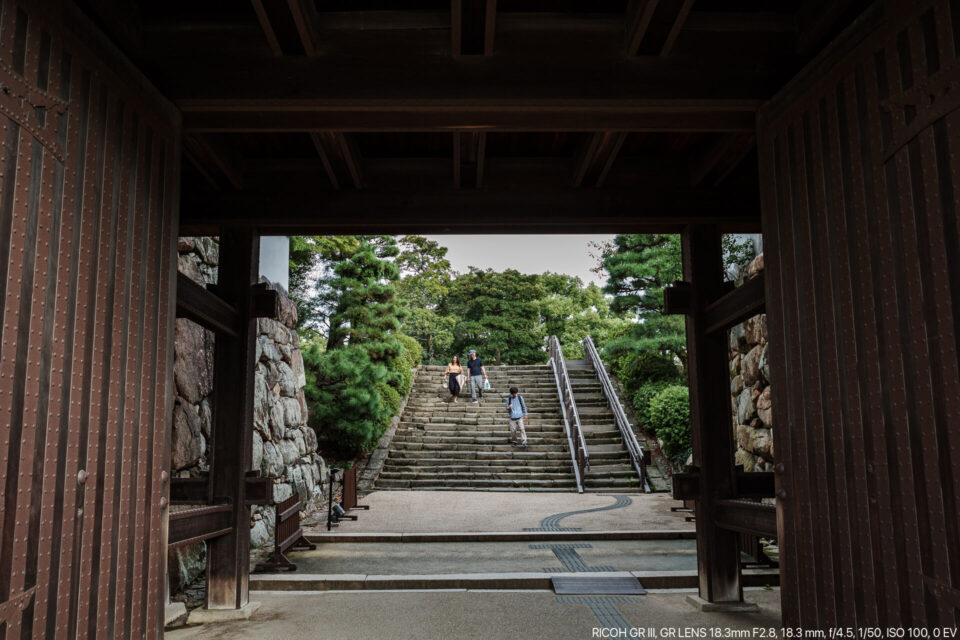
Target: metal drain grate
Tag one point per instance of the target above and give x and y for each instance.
(590, 586)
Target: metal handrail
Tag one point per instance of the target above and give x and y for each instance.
(575, 440)
(623, 423)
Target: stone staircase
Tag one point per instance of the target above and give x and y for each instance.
(444, 445)
(610, 468)
(465, 446)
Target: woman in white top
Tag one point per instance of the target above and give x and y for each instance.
(453, 373)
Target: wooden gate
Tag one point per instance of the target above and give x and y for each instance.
(860, 180)
(88, 202)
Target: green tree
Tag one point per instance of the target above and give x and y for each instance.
(639, 267)
(571, 312)
(367, 310)
(311, 268)
(498, 314)
(426, 275)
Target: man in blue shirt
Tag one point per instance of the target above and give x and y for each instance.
(477, 375)
(518, 411)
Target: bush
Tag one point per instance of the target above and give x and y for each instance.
(642, 398)
(391, 402)
(636, 368)
(412, 351)
(669, 414)
(344, 394)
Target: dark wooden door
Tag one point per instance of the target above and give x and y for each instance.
(89, 163)
(860, 179)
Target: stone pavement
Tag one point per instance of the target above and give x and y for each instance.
(401, 558)
(441, 511)
(490, 615)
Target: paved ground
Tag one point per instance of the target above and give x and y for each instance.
(496, 557)
(436, 511)
(478, 614)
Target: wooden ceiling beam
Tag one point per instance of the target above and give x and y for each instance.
(290, 26)
(472, 27)
(653, 25)
(217, 164)
(819, 20)
(469, 149)
(596, 157)
(712, 165)
(530, 208)
(340, 156)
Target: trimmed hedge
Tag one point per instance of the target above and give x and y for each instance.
(669, 414)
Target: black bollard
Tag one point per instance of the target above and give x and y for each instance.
(333, 476)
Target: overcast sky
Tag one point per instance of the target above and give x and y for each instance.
(567, 254)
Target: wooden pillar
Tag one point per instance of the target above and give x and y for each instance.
(718, 555)
(228, 556)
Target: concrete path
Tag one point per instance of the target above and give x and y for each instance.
(497, 557)
(489, 615)
(442, 511)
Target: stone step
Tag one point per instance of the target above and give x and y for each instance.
(449, 475)
(440, 446)
(480, 485)
(532, 439)
(477, 464)
(509, 453)
(495, 427)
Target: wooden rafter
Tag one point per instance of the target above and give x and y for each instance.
(596, 158)
(288, 25)
(653, 25)
(713, 164)
(340, 157)
(214, 161)
(469, 151)
(472, 26)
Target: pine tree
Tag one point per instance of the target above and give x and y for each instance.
(497, 313)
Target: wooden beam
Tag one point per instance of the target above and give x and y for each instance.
(718, 553)
(818, 21)
(653, 25)
(596, 158)
(533, 208)
(214, 161)
(755, 484)
(714, 163)
(744, 516)
(738, 305)
(202, 523)
(257, 490)
(196, 303)
(289, 26)
(469, 149)
(231, 448)
(472, 26)
(415, 92)
(340, 157)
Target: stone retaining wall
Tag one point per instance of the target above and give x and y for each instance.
(750, 387)
(284, 447)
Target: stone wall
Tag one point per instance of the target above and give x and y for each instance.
(750, 387)
(284, 447)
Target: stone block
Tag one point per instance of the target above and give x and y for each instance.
(188, 441)
(746, 410)
(257, 451)
(765, 407)
(750, 369)
(193, 360)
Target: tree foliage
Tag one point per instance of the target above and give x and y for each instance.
(497, 313)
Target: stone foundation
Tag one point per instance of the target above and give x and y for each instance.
(750, 388)
(284, 447)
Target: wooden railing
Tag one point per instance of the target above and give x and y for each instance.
(636, 452)
(571, 419)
